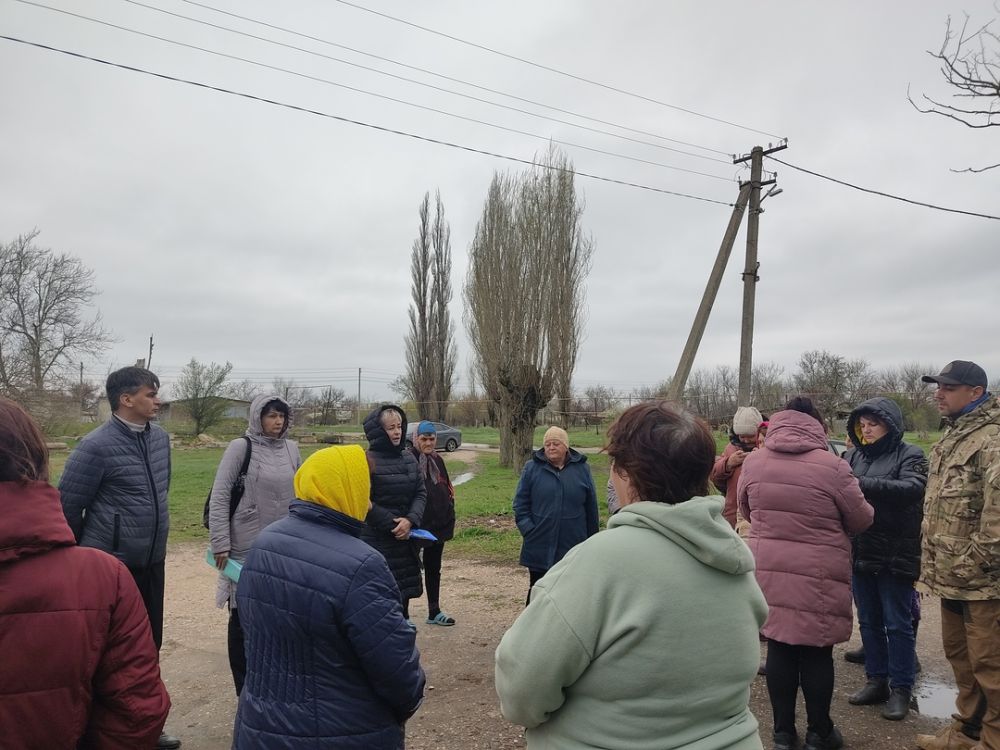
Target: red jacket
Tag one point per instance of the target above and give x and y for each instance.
(78, 666)
(802, 502)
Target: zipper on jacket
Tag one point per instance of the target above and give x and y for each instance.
(116, 533)
(144, 449)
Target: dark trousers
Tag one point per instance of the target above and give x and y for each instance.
(534, 576)
(237, 651)
(432, 576)
(788, 668)
(150, 582)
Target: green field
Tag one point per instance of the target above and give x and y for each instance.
(485, 527)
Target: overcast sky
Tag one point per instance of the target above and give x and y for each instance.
(230, 229)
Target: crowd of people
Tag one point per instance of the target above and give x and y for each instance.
(619, 642)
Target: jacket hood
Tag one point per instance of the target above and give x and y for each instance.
(794, 432)
(378, 438)
(574, 456)
(254, 428)
(696, 526)
(883, 409)
(33, 520)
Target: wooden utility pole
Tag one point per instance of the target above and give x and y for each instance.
(708, 298)
(149, 359)
(749, 192)
(359, 395)
(750, 277)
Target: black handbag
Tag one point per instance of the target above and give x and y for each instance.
(236, 491)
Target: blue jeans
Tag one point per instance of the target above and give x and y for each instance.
(883, 603)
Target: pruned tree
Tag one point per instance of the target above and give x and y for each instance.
(969, 61)
(552, 219)
(521, 305)
(441, 329)
(44, 325)
(430, 345)
(416, 384)
(203, 388)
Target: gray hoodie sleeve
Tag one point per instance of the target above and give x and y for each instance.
(218, 506)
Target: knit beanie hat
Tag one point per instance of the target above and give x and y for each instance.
(556, 433)
(426, 428)
(746, 420)
(336, 478)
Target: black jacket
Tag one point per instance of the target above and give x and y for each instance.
(114, 492)
(893, 476)
(397, 492)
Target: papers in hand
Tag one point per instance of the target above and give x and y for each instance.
(232, 569)
(422, 534)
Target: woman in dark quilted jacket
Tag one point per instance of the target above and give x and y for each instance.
(331, 663)
(398, 501)
(78, 667)
(893, 476)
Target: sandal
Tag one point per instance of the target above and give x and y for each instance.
(441, 619)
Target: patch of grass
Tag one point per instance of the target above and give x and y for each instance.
(485, 544)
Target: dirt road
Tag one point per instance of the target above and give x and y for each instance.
(461, 710)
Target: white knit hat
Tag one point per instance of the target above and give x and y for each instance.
(746, 420)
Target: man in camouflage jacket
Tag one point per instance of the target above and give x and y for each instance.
(961, 552)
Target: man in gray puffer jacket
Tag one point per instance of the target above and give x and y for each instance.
(114, 490)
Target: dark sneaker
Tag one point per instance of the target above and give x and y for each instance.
(785, 740)
(167, 742)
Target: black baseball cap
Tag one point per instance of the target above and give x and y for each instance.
(959, 372)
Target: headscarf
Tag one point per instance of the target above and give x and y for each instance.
(336, 478)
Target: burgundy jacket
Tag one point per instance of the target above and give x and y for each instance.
(802, 502)
(78, 666)
(727, 480)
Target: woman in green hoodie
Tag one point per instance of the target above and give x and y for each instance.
(620, 646)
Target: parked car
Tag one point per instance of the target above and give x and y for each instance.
(839, 447)
(448, 438)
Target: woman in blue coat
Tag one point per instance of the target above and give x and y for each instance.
(555, 505)
(331, 661)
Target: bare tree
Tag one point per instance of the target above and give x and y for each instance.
(768, 386)
(430, 341)
(441, 329)
(970, 65)
(552, 221)
(331, 400)
(521, 307)
(244, 390)
(44, 328)
(834, 383)
(203, 387)
(417, 383)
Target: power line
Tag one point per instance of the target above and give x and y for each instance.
(385, 97)
(442, 76)
(556, 70)
(339, 118)
(885, 195)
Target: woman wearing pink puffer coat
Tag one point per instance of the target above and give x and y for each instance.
(802, 502)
